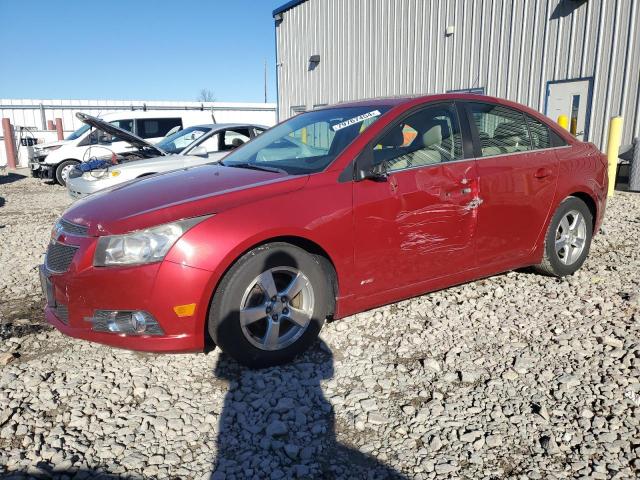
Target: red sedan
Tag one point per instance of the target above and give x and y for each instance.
(329, 213)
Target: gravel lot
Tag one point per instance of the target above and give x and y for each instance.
(514, 376)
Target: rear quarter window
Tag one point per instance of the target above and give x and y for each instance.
(540, 136)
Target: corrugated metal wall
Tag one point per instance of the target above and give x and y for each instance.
(512, 48)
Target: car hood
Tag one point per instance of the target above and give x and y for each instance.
(42, 146)
(171, 161)
(118, 132)
(172, 196)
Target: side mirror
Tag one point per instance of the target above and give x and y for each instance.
(377, 173)
(199, 151)
(104, 139)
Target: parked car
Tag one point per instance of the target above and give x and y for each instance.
(55, 160)
(192, 146)
(395, 198)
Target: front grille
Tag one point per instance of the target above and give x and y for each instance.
(62, 312)
(73, 228)
(59, 257)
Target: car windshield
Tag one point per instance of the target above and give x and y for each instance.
(306, 143)
(180, 140)
(78, 133)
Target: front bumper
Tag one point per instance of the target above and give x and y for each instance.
(42, 170)
(79, 187)
(74, 296)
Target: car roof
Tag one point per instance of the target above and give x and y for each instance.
(402, 99)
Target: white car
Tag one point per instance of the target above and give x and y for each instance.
(192, 146)
(55, 160)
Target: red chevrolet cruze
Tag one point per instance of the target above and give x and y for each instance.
(329, 213)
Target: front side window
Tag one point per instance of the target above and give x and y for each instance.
(157, 127)
(308, 142)
(427, 137)
(500, 130)
(180, 140)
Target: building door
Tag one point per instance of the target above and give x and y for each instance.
(573, 99)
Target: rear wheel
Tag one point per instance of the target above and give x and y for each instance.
(270, 306)
(568, 238)
(63, 170)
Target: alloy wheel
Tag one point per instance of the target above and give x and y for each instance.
(276, 308)
(571, 237)
(65, 172)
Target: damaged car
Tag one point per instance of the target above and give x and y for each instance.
(190, 147)
(332, 212)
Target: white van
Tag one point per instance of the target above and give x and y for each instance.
(55, 160)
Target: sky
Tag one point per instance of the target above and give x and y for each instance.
(137, 49)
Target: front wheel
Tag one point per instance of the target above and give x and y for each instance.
(568, 238)
(63, 170)
(270, 305)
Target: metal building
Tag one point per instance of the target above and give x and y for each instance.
(576, 57)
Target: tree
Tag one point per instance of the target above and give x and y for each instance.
(206, 95)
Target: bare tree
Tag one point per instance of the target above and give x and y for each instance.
(206, 95)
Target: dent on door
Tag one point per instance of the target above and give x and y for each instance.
(416, 226)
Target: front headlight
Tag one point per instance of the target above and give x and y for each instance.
(144, 246)
(46, 150)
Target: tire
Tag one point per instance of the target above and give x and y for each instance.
(245, 337)
(62, 171)
(559, 261)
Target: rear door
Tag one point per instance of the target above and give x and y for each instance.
(518, 173)
(417, 224)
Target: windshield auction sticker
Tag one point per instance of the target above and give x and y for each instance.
(354, 120)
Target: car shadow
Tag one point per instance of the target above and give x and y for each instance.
(11, 177)
(277, 423)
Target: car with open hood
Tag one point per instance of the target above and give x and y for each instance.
(54, 160)
(192, 146)
(331, 212)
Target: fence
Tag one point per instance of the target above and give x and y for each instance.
(32, 118)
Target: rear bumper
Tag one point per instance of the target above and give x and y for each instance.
(154, 288)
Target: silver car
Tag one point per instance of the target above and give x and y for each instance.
(186, 148)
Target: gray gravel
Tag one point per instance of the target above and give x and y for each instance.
(514, 376)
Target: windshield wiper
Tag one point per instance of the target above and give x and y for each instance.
(253, 166)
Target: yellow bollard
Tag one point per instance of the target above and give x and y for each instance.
(574, 126)
(304, 135)
(563, 121)
(613, 150)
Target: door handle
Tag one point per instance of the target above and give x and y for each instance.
(466, 191)
(542, 173)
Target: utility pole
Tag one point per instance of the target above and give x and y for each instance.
(265, 80)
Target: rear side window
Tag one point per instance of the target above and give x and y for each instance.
(539, 134)
(157, 127)
(500, 130)
(234, 138)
